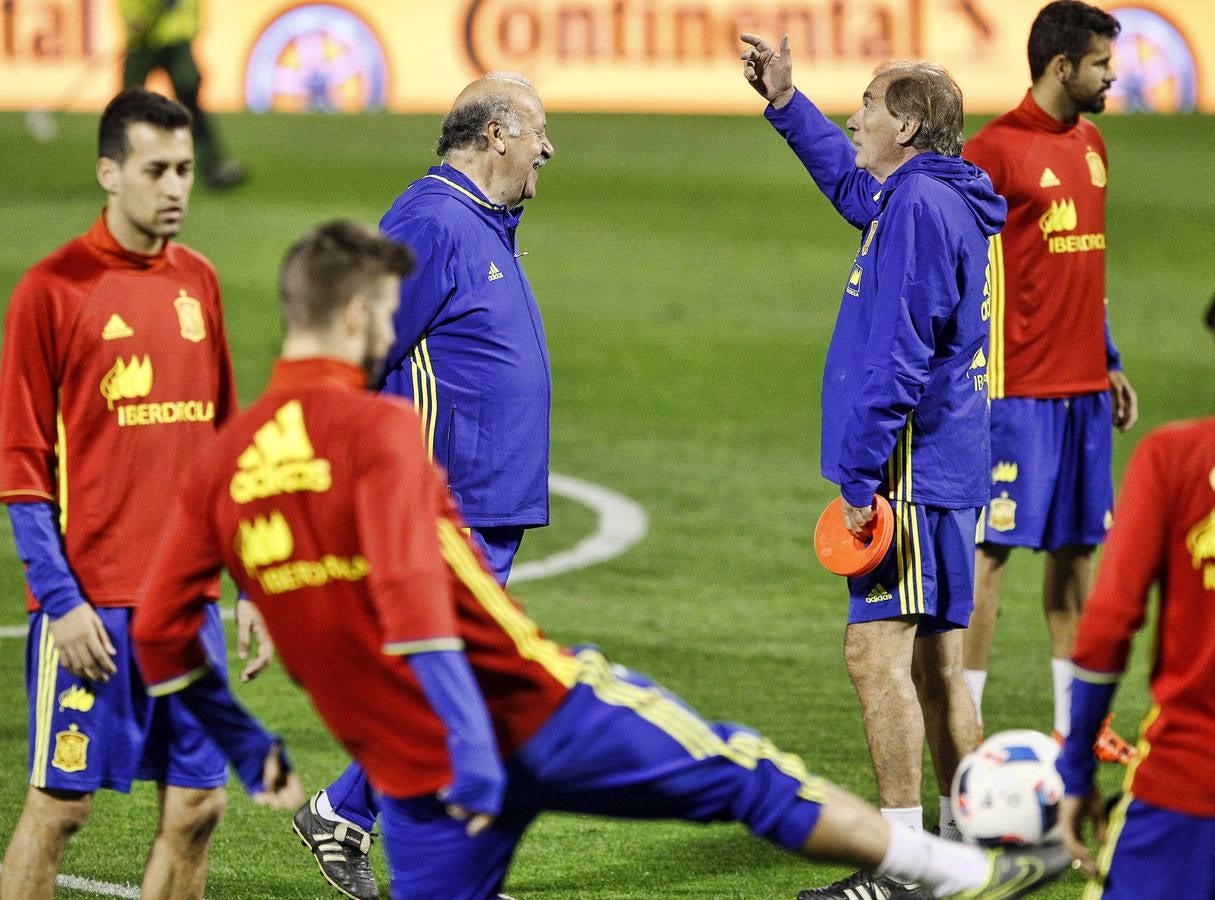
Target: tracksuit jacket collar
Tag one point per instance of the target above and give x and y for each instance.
(450, 180)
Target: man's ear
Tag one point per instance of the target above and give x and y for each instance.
(109, 174)
(1061, 68)
(908, 129)
(496, 135)
(354, 315)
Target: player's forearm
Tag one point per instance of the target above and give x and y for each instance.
(828, 156)
(241, 737)
(1092, 694)
(41, 549)
(450, 687)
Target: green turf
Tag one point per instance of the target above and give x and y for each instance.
(689, 273)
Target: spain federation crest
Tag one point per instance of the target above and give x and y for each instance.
(1002, 515)
(190, 318)
(71, 750)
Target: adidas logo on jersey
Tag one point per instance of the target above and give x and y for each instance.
(1049, 179)
(878, 594)
(116, 328)
(494, 272)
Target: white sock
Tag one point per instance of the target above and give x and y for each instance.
(946, 867)
(975, 680)
(326, 810)
(1061, 674)
(904, 818)
(949, 827)
(908, 816)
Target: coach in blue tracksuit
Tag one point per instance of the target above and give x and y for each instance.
(470, 353)
(904, 403)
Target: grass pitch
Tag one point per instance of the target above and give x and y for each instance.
(689, 273)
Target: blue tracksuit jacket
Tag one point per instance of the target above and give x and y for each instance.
(470, 349)
(905, 382)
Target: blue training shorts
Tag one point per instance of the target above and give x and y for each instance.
(1152, 853)
(619, 745)
(1051, 484)
(86, 735)
(928, 571)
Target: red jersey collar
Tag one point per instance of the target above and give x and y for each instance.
(104, 244)
(316, 372)
(1041, 119)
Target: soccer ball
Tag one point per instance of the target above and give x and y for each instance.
(1008, 792)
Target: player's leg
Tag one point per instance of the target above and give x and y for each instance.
(1025, 438)
(177, 861)
(190, 772)
(498, 546)
(990, 561)
(621, 745)
(335, 824)
(878, 658)
(1152, 853)
(431, 857)
(137, 66)
(47, 822)
(79, 741)
(1067, 576)
(950, 724)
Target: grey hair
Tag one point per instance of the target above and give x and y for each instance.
(465, 125)
(927, 93)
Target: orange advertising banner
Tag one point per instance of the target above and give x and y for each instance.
(667, 56)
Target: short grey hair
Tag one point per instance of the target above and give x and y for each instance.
(927, 93)
(465, 125)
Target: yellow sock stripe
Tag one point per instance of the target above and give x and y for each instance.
(433, 394)
(1095, 888)
(61, 465)
(519, 628)
(44, 704)
(995, 362)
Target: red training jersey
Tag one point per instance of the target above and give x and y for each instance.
(115, 370)
(1048, 264)
(1164, 533)
(321, 502)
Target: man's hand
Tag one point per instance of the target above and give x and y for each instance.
(477, 822)
(1072, 813)
(1124, 401)
(281, 788)
(858, 519)
(249, 621)
(769, 71)
(85, 648)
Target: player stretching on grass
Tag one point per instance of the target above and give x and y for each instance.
(321, 502)
(115, 371)
(1055, 378)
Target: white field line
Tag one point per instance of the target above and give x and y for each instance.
(621, 524)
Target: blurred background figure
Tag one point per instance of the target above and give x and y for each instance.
(159, 34)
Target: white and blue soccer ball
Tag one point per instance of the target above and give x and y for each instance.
(1008, 791)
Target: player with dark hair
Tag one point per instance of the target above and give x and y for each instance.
(1160, 842)
(1055, 376)
(471, 355)
(115, 370)
(322, 503)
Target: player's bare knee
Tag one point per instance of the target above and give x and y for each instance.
(192, 817)
(64, 812)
